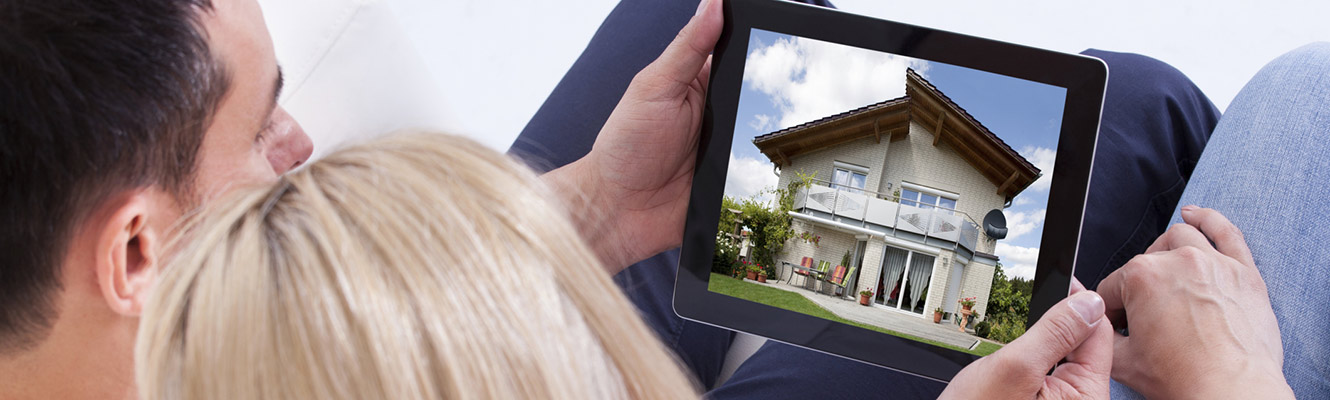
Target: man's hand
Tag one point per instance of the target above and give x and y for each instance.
(1075, 329)
(1198, 316)
(629, 196)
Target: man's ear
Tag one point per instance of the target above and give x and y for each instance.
(126, 258)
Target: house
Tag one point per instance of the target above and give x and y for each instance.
(901, 186)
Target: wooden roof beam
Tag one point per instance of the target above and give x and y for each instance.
(877, 132)
(937, 131)
(1010, 181)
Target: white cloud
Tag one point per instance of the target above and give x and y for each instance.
(1018, 261)
(1020, 223)
(1043, 158)
(762, 123)
(747, 177)
(810, 79)
(1021, 201)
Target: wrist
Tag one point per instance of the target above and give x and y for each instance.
(1247, 381)
(577, 188)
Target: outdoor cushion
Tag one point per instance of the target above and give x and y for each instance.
(806, 263)
(838, 275)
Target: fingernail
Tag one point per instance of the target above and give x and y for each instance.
(1089, 306)
(702, 6)
(1188, 208)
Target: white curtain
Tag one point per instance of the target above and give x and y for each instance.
(921, 270)
(892, 266)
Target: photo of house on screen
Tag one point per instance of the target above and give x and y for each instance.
(903, 186)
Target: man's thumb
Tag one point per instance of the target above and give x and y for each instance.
(1062, 329)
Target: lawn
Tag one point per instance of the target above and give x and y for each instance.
(794, 302)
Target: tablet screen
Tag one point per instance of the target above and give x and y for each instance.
(897, 194)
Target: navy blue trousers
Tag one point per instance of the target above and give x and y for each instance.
(1156, 123)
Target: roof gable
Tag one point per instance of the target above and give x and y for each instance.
(925, 105)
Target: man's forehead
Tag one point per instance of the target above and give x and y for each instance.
(237, 32)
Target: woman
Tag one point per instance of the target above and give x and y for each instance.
(416, 266)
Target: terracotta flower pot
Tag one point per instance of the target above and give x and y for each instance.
(966, 308)
(937, 317)
(762, 278)
(752, 275)
(863, 300)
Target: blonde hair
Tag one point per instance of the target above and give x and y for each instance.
(416, 266)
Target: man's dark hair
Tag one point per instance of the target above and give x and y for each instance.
(96, 97)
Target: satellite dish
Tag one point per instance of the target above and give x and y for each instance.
(995, 224)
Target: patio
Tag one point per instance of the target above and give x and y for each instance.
(895, 321)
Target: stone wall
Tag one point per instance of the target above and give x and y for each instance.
(937, 289)
(830, 248)
(978, 282)
(867, 153)
(916, 160)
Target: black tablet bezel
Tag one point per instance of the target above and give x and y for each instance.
(1083, 77)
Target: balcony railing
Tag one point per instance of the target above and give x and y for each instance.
(886, 214)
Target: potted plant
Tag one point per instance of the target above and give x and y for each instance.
(761, 274)
(752, 271)
(937, 315)
(864, 295)
(967, 303)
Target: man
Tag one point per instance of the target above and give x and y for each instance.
(118, 118)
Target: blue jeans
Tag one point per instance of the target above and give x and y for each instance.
(1266, 168)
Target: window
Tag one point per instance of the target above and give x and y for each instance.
(905, 279)
(927, 198)
(852, 178)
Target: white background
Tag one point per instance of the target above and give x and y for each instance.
(496, 61)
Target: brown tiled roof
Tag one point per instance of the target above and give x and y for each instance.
(829, 118)
(970, 118)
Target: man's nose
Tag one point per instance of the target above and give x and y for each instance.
(290, 146)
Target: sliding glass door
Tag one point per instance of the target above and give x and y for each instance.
(903, 283)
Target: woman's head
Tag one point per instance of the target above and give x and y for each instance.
(413, 266)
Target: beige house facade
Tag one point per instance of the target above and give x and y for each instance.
(902, 187)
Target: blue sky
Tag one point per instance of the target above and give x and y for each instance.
(790, 80)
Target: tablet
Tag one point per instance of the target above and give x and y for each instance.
(893, 194)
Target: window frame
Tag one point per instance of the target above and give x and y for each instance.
(922, 190)
(851, 170)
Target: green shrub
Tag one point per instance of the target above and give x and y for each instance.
(982, 329)
(1004, 331)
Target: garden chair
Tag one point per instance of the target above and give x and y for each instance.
(836, 275)
(840, 283)
(819, 274)
(806, 263)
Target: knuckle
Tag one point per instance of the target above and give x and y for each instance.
(1178, 229)
(1191, 255)
(1062, 332)
(1139, 272)
(1231, 232)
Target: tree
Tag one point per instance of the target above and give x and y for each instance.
(1008, 306)
(769, 224)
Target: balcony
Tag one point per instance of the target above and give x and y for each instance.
(885, 215)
